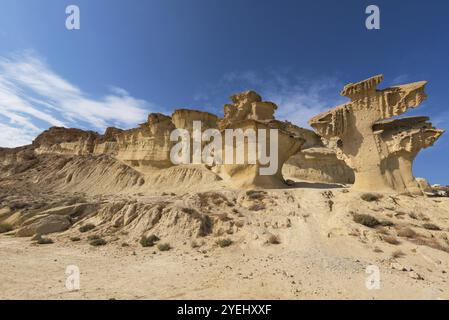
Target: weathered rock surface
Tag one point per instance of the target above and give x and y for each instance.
(147, 148)
(381, 152)
(44, 225)
(318, 164)
(248, 111)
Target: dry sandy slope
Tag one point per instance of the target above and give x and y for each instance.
(39, 273)
(322, 255)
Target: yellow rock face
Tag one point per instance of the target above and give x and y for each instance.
(379, 150)
(147, 148)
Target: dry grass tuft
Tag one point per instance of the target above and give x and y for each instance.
(87, 227)
(366, 220)
(370, 197)
(222, 243)
(42, 240)
(273, 239)
(164, 247)
(5, 227)
(431, 226)
(148, 241)
(397, 254)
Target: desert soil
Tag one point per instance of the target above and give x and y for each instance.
(313, 261)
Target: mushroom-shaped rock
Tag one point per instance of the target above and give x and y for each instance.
(379, 150)
(250, 114)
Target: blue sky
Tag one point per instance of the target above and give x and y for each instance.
(134, 57)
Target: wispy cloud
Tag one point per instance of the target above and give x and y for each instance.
(298, 99)
(33, 97)
(400, 79)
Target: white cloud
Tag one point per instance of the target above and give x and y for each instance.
(12, 136)
(31, 92)
(299, 102)
(400, 79)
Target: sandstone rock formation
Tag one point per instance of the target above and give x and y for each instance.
(248, 111)
(147, 147)
(378, 148)
(318, 164)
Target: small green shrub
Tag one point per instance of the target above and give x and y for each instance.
(93, 237)
(190, 211)
(370, 197)
(75, 239)
(222, 243)
(386, 223)
(87, 227)
(256, 194)
(431, 226)
(366, 220)
(5, 227)
(149, 241)
(164, 246)
(98, 242)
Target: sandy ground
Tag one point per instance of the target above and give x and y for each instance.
(323, 252)
(111, 272)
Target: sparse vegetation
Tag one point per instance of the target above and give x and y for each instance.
(86, 227)
(222, 243)
(366, 220)
(274, 239)
(431, 243)
(98, 242)
(370, 197)
(124, 244)
(397, 254)
(190, 211)
(213, 197)
(256, 194)
(164, 246)
(406, 233)
(413, 216)
(391, 240)
(206, 226)
(75, 239)
(257, 207)
(43, 240)
(5, 227)
(386, 223)
(194, 244)
(431, 226)
(93, 237)
(149, 241)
